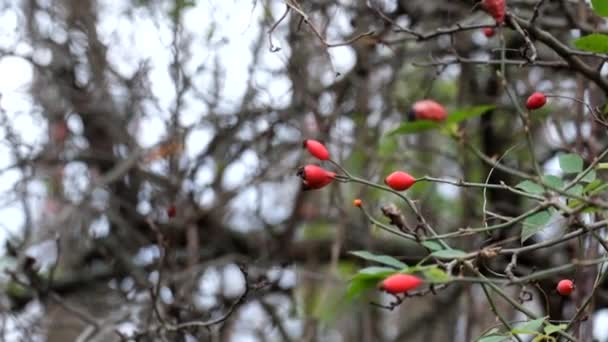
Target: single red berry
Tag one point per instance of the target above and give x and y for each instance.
(357, 202)
(171, 211)
(400, 283)
(59, 131)
(427, 110)
(536, 100)
(496, 8)
(315, 177)
(317, 149)
(488, 32)
(399, 180)
(565, 287)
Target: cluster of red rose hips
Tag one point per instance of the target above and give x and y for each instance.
(316, 177)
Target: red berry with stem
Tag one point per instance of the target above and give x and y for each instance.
(317, 149)
(427, 110)
(400, 283)
(565, 287)
(496, 8)
(488, 32)
(171, 211)
(536, 100)
(399, 180)
(357, 202)
(315, 177)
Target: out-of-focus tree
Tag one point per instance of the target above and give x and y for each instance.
(151, 150)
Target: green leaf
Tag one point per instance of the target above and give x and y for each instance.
(571, 163)
(589, 177)
(376, 272)
(436, 275)
(553, 181)
(576, 190)
(534, 224)
(552, 328)
(468, 113)
(595, 42)
(493, 338)
(358, 285)
(600, 7)
(598, 189)
(449, 254)
(432, 245)
(413, 127)
(593, 185)
(530, 187)
(382, 259)
(529, 326)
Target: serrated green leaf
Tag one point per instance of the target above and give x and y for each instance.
(552, 328)
(468, 113)
(432, 245)
(413, 127)
(595, 42)
(589, 177)
(493, 338)
(571, 163)
(529, 326)
(530, 187)
(435, 275)
(600, 7)
(534, 224)
(382, 259)
(449, 254)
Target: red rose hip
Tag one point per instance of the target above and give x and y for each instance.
(427, 110)
(488, 32)
(565, 287)
(399, 180)
(496, 8)
(317, 149)
(400, 283)
(536, 100)
(315, 177)
(171, 211)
